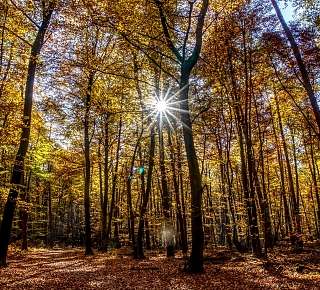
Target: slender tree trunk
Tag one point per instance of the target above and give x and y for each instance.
(315, 184)
(296, 238)
(24, 214)
(223, 203)
(283, 196)
(182, 192)
(100, 184)
(114, 180)
(104, 208)
(116, 237)
(166, 200)
(147, 231)
(87, 175)
(262, 192)
(138, 251)
(250, 202)
(181, 223)
(131, 213)
(50, 216)
(302, 67)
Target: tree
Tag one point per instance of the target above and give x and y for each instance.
(302, 67)
(138, 249)
(186, 65)
(17, 177)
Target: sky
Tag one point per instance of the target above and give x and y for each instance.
(287, 11)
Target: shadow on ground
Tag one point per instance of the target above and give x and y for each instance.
(70, 269)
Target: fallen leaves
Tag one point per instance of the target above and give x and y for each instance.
(70, 269)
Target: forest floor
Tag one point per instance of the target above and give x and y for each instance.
(69, 269)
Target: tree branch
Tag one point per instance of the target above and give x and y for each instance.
(166, 31)
(16, 35)
(187, 32)
(293, 99)
(25, 14)
(197, 48)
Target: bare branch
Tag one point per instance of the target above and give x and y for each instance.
(187, 32)
(293, 98)
(147, 55)
(25, 14)
(166, 31)
(16, 35)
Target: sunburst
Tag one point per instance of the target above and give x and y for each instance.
(164, 108)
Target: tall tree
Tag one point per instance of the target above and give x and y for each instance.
(17, 177)
(87, 162)
(187, 62)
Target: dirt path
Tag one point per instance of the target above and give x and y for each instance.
(69, 269)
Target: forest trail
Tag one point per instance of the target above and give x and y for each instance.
(70, 269)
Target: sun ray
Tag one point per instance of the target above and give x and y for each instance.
(176, 93)
(176, 102)
(168, 121)
(178, 110)
(179, 121)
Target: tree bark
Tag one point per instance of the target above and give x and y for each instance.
(24, 214)
(196, 258)
(182, 231)
(295, 237)
(166, 199)
(131, 213)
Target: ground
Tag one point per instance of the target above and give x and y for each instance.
(70, 269)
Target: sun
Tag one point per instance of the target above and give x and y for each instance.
(161, 106)
(164, 108)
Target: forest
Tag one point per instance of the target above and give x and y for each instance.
(159, 144)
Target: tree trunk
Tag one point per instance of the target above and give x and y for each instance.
(313, 172)
(114, 180)
(24, 214)
(138, 251)
(296, 238)
(104, 205)
(131, 213)
(196, 258)
(168, 234)
(50, 217)
(186, 65)
(181, 223)
(87, 177)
